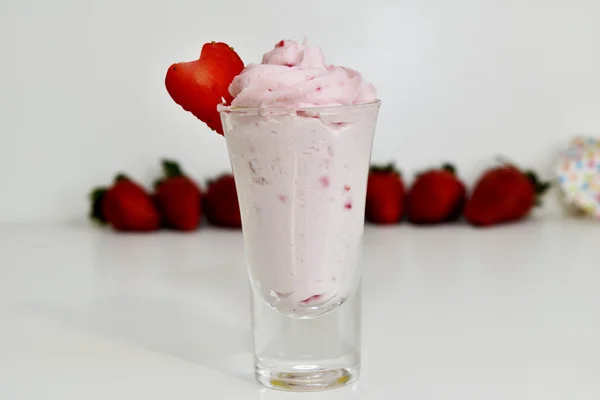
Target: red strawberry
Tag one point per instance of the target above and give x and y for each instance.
(385, 195)
(221, 203)
(178, 198)
(199, 86)
(504, 194)
(436, 196)
(125, 206)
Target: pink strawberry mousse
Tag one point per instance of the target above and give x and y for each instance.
(294, 75)
(301, 175)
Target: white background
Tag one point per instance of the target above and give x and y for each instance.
(82, 84)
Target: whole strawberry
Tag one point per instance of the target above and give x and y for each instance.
(178, 198)
(504, 194)
(125, 206)
(385, 195)
(199, 86)
(221, 205)
(436, 196)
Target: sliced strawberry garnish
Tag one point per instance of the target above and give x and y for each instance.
(199, 86)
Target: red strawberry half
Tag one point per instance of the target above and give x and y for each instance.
(504, 194)
(221, 205)
(178, 198)
(126, 206)
(199, 86)
(436, 196)
(385, 195)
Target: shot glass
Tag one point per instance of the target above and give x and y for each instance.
(301, 177)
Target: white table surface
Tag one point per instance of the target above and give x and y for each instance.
(449, 313)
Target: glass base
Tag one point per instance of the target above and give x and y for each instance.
(306, 354)
(306, 378)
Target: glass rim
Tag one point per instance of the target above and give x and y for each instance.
(291, 110)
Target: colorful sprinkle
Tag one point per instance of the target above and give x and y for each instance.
(578, 174)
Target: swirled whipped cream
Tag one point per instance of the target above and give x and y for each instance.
(295, 75)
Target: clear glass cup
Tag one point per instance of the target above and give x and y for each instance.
(301, 177)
